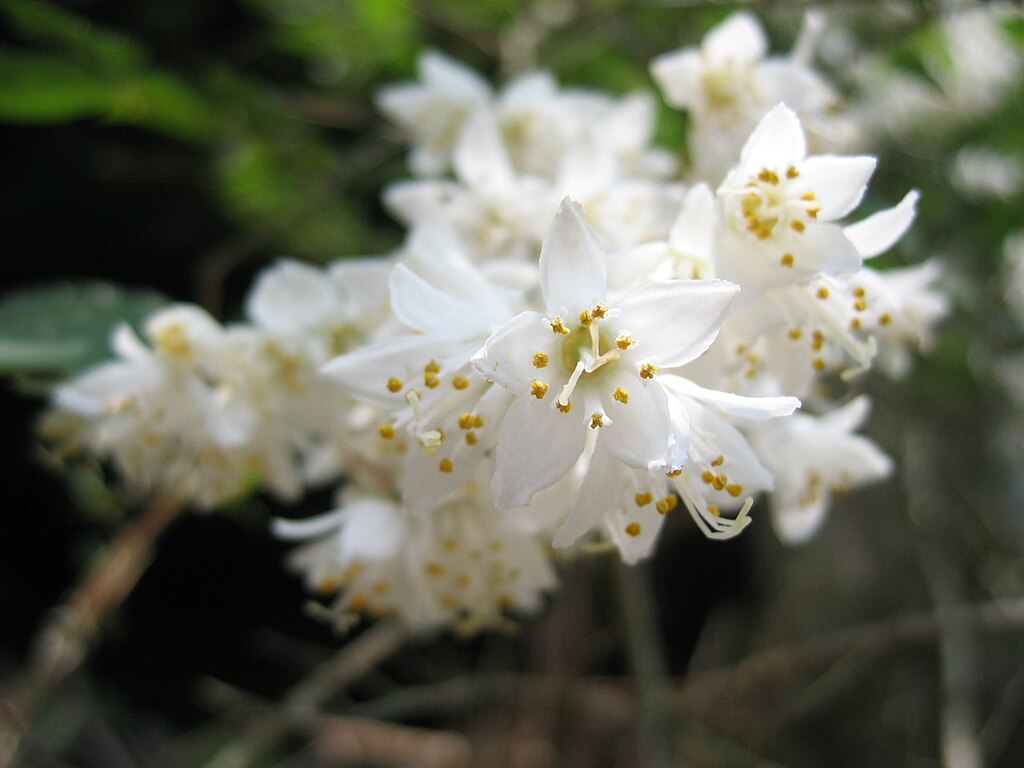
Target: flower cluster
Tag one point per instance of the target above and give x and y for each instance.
(572, 344)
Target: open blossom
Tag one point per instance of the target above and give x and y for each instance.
(780, 208)
(461, 565)
(729, 83)
(587, 367)
(813, 457)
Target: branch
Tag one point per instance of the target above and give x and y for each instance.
(73, 628)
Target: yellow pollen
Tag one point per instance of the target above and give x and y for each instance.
(633, 529)
(819, 340)
(585, 318)
(808, 196)
(460, 382)
(538, 389)
(478, 421)
(719, 482)
(451, 543)
(647, 371)
(786, 260)
(358, 603)
(328, 585)
(674, 473)
(795, 333)
(813, 212)
(718, 462)
(792, 172)
(819, 364)
(596, 420)
(432, 367)
(822, 293)
(666, 504)
(386, 431)
(714, 510)
(621, 394)
(624, 341)
(860, 305)
(462, 580)
(734, 490)
(445, 465)
(382, 587)
(434, 569)
(563, 408)
(858, 292)
(431, 379)
(395, 385)
(466, 420)
(643, 498)
(798, 226)
(599, 311)
(557, 326)
(855, 324)
(708, 476)
(768, 176)
(884, 319)
(540, 360)
(471, 438)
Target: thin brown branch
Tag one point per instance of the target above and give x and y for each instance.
(74, 627)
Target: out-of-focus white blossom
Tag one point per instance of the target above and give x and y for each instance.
(979, 172)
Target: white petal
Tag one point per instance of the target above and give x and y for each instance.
(739, 38)
(837, 182)
(777, 142)
(366, 371)
(480, 158)
(601, 487)
(880, 231)
(507, 356)
(674, 321)
(452, 76)
(733, 405)
(678, 75)
(291, 296)
(639, 433)
(822, 247)
(796, 515)
(573, 267)
(423, 307)
(537, 445)
(292, 530)
(693, 233)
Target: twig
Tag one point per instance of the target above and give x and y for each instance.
(73, 628)
(647, 659)
(308, 695)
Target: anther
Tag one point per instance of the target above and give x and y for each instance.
(386, 431)
(445, 465)
(633, 529)
(798, 226)
(621, 394)
(395, 385)
(540, 360)
(666, 504)
(564, 408)
(786, 260)
(596, 420)
(734, 490)
(460, 382)
(538, 389)
(718, 462)
(647, 371)
(643, 498)
(624, 341)
(431, 379)
(557, 326)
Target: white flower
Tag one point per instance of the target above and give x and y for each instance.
(462, 565)
(780, 205)
(728, 84)
(587, 368)
(433, 111)
(434, 403)
(813, 457)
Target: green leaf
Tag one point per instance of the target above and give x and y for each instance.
(44, 23)
(64, 328)
(46, 89)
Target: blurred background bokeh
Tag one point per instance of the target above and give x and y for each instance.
(172, 149)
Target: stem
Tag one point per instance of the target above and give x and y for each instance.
(73, 628)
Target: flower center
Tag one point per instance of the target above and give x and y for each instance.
(766, 204)
(582, 351)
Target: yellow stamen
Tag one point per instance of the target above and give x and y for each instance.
(633, 529)
(643, 498)
(445, 465)
(538, 389)
(647, 371)
(621, 394)
(596, 420)
(386, 431)
(460, 382)
(563, 408)
(395, 385)
(666, 504)
(540, 360)
(624, 341)
(786, 260)
(557, 326)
